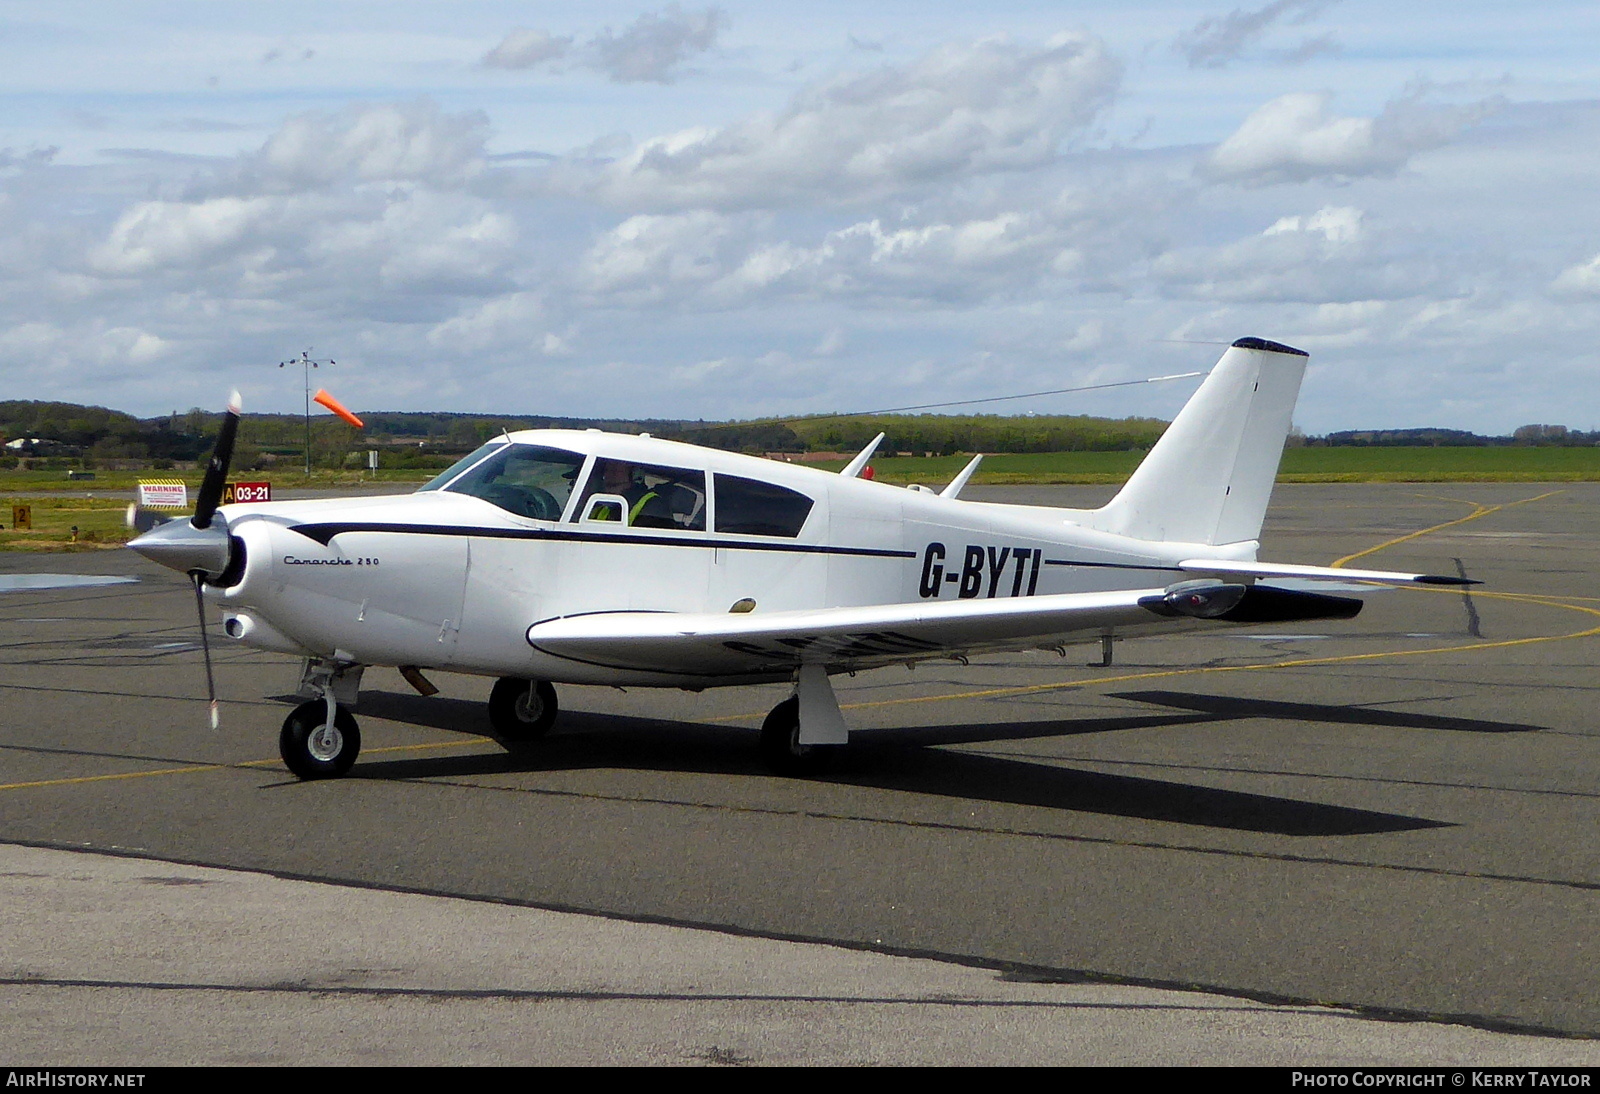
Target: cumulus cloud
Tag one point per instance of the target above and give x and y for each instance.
(652, 49)
(367, 253)
(524, 48)
(1326, 257)
(649, 257)
(512, 319)
(374, 142)
(439, 243)
(1215, 42)
(363, 212)
(155, 235)
(962, 259)
(95, 347)
(348, 211)
(1294, 138)
(909, 228)
(1580, 280)
(730, 260)
(1336, 224)
(962, 110)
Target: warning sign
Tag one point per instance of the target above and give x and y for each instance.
(163, 494)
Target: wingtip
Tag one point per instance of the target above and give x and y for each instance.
(1444, 579)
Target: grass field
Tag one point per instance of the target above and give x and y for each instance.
(58, 504)
(107, 482)
(97, 507)
(1299, 465)
(99, 522)
(1440, 465)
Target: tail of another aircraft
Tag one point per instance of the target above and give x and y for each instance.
(1208, 478)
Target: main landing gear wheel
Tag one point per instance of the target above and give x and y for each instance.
(522, 710)
(312, 749)
(781, 747)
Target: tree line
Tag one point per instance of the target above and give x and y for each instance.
(422, 440)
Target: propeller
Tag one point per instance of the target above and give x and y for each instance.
(200, 546)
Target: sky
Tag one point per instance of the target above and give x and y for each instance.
(749, 209)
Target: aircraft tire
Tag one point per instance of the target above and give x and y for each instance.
(518, 716)
(309, 757)
(781, 747)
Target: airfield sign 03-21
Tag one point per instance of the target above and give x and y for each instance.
(240, 492)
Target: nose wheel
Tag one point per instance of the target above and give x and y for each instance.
(313, 748)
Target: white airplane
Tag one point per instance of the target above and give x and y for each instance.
(585, 557)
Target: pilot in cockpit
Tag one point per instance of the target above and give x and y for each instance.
(647, 507)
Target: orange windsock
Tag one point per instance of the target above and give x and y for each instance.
(323, 398)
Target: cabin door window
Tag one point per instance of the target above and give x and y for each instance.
(653, 496)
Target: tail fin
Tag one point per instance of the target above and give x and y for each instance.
(1208, 478)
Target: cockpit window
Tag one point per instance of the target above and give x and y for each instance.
(657, 497)
(756, 508)
(525, 479)
(438, 481)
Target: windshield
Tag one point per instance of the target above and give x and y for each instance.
(525, 479)
(439, 480)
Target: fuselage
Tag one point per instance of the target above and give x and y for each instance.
(545, 524)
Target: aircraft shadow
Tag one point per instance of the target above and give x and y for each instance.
(897, 759)
(1016, 782)
(1229, 707)
(453, 715)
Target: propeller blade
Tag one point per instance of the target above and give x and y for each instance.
(141, 520)
(205, 645)
(205, 506)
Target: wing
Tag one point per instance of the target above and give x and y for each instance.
(849, 638)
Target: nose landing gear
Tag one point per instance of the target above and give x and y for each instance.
(316, 746)
(320, 738)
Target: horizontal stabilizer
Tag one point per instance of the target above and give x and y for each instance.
(1227, 568)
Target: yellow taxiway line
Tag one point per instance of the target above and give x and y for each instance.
(192, 769)
(1199, 670)
(1478, 511)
